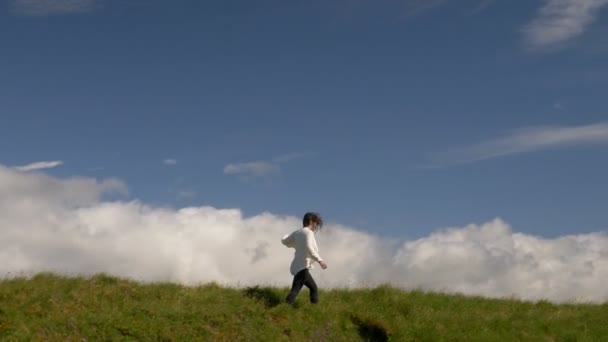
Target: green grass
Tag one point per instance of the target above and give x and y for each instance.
(104, 308)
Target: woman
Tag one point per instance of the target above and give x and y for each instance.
(307, 252)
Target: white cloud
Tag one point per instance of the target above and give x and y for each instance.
(170, 161)
(561, 20)
(39, 165)
(525, 140)
(52, 7)
(50, 224)
(36, 190)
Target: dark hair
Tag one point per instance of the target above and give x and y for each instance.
(311, 217)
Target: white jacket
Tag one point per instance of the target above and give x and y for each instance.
(303, 240)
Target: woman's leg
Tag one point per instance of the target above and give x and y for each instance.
(298, 281)
(312, 286)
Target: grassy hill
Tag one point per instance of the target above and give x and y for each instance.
(103, 308)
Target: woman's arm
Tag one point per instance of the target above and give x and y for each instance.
(311, 245)
(288, 241)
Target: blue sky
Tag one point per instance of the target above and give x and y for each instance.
(396, 117)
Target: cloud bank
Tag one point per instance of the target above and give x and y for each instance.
(66, 226)
(561, 20)
(524, 140)
(52, 7)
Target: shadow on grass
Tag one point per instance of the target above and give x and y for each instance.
(370, 330)
(264, 294)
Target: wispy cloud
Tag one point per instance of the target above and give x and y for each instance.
(53, 7)
(414, 7)
(561, 20)
(289, 157)
(39, 165)
(186, 194)
(256, 169)
(261, 169)
(68, 228)
(482, 6)
(524, 140)
(170, 161)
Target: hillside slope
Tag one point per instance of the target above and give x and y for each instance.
(50, 307)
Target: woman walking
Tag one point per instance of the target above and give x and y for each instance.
(306, 253)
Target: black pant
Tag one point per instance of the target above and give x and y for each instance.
(300, 279)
